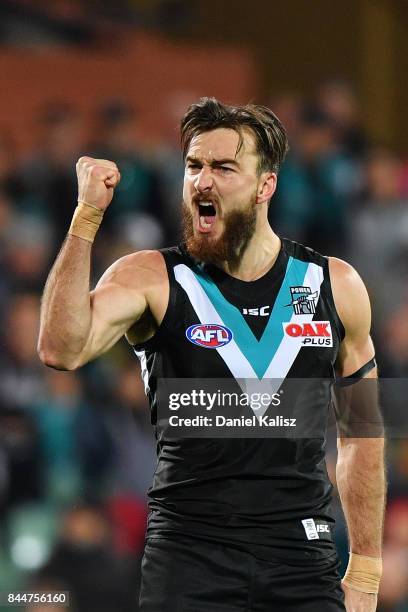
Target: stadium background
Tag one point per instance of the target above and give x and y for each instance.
(112, 80)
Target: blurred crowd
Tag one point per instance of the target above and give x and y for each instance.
(77, 451)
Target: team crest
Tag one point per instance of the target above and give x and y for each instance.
(303, 300)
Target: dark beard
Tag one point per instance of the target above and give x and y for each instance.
(239, 227)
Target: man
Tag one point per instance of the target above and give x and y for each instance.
(241, 523)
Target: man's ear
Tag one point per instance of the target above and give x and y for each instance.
(266, 187)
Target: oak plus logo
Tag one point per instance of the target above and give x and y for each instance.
(209, 335)
(313, 334)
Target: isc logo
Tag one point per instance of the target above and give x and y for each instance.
(312, 530)
(256, 312)
(209, 336)
(315, 333)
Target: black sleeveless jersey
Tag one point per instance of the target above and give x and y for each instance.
(270, 496)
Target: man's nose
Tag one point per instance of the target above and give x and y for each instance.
(204, 180)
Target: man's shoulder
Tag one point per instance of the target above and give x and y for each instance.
(151, 267)
(350, 294)
(149, 260)
(343, 274)
(135, 269)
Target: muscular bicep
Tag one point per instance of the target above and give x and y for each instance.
(353, 306)
(114, 310)
(118, 302)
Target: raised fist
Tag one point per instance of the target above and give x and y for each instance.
(97, 179)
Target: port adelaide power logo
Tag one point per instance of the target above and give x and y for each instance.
(303, 300)
(309, 333)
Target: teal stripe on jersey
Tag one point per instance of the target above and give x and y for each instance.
(259, 353)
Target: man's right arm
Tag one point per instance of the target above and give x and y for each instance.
(78, 325)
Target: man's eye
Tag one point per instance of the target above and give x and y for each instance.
(193, 166)
(226, 169)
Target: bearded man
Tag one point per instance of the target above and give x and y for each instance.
(235, 523)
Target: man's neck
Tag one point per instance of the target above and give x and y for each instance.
(259, 256)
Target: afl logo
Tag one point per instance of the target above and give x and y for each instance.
(211, 336)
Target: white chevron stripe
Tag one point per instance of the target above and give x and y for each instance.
(232, 355)
(288, 350)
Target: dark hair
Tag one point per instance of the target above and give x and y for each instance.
(210, 114)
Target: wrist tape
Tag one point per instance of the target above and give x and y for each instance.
(86, 221)
(363, 573)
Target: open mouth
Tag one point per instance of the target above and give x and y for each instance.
(207, 215)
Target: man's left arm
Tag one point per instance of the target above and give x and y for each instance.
(360, 464)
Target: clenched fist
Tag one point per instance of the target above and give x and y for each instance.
(97, 179)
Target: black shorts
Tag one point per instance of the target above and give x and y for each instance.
(189, 575)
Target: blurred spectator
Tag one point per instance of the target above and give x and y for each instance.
(288, 107)
(169, 163)
(394, 336)
(404, 179)
(74, 441)
(398, 459)
(22, 375)
(39, 584)
(28, 246)
(315, 186)
(129, 425)
(393, 596)
(129, 518)
(19, 441)
(396, 525)
(138, 207)
(4, 476)
(9, 182)
(28, 23)
(83, 560)
(379, 241)
(338, 100)
(48, 174)
(6, 213)
(6, 216)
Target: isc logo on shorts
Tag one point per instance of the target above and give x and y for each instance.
(314, 333)
(312, 530)
(211, 336)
